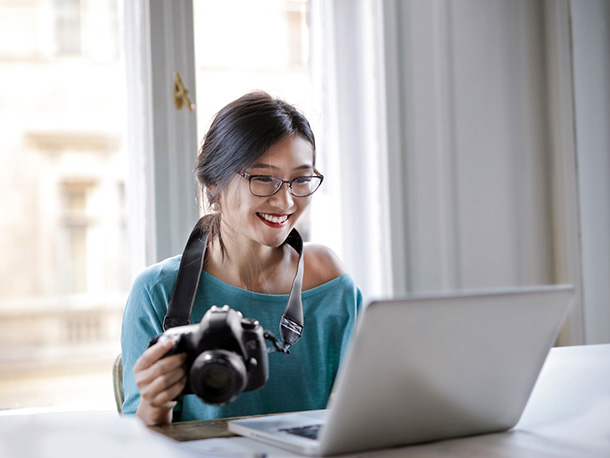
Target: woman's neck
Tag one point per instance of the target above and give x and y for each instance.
(249, 265)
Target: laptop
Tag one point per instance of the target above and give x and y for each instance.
(426, 368)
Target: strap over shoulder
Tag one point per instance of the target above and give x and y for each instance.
(291, 325)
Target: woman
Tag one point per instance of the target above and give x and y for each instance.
(257, 171)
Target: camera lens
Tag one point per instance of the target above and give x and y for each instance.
(218, 376)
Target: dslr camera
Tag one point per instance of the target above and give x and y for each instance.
(226, 355)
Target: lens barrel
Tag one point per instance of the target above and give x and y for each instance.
(218, 376)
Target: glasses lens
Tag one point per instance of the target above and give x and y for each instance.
(304, 186)
(264, 185)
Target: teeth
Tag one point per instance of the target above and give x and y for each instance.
(274, 219)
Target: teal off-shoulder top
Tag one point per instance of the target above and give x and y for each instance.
(301, 380)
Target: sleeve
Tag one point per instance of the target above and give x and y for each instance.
(353, 303)
(142, 320)
(359, 299)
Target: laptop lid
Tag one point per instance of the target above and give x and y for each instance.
(446, 365)
(431, 367)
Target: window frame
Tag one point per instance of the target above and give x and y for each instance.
(163, 199)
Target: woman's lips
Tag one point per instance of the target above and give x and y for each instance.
(273, 220)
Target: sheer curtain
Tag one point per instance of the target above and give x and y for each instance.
(352, 215)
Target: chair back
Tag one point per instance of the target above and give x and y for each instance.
(117, 379)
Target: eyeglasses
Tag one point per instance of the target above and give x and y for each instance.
(267, 185)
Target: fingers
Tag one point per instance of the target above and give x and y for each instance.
(163, 391)
(153, 354)
(159, 368)
(160, 379)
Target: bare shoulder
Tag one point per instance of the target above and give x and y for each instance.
(321, 265)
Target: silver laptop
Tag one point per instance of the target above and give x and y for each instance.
(425, 368)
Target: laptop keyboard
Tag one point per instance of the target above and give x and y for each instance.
(310, 431)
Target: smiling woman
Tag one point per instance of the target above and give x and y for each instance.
(250, 263)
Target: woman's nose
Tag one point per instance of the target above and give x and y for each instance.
(283, 198)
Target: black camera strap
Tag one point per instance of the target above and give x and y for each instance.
(185, 289)
(189, 273)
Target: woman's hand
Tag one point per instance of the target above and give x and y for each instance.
(159, 380)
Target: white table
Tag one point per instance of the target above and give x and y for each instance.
(568, 415)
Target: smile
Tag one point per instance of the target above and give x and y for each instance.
(275, 220)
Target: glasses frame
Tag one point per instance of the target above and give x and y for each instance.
(249, 177)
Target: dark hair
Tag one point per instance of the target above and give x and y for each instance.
(240, 133)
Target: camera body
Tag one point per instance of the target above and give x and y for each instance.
(226, 355)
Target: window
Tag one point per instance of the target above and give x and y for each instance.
(74, 253)
(63, 172)
(68, 26)
(242, 46)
